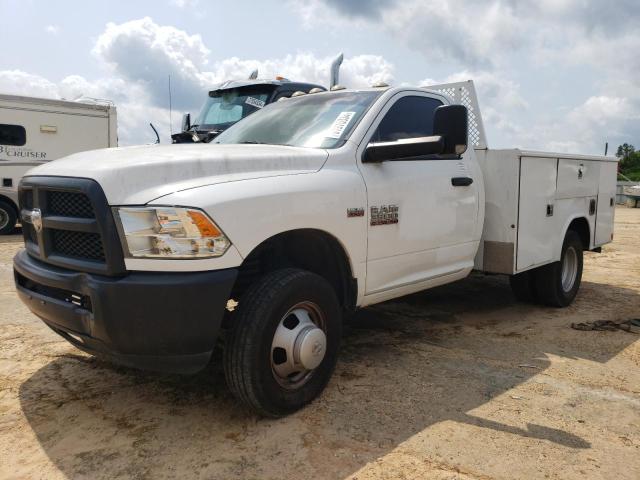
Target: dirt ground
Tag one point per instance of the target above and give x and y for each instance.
(456, 382)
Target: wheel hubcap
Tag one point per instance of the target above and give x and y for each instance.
(299, 345)
(569, 269)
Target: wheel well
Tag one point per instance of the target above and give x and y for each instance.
(581, 227)
(308, 249)
(10, 202)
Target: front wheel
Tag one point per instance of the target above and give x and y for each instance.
(557, 284)
(283, 343)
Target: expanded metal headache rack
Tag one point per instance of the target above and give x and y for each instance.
(464, 93)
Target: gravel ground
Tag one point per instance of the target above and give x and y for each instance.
(456, 382)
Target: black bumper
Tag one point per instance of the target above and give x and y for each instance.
(155, 321)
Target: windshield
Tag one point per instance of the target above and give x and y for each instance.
(319, 120)
(223, 108)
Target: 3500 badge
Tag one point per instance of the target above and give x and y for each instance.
(384, 215)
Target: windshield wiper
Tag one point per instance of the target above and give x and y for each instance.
(253, 142)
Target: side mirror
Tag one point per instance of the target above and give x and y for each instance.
(186, 122)
(404, 149)
(451, 122)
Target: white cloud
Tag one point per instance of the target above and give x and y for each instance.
(497, 41)
(52, 29)
(185, 3)
(138, 56)
(17, 82)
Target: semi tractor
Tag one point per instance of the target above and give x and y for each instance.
(34, 131)
(310, 208)
(233, 100)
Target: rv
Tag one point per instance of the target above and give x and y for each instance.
(34, 131)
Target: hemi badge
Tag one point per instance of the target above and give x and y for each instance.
(355, 212)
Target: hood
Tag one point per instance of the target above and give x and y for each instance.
(137, 175)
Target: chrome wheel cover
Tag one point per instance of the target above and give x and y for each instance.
(299, 345)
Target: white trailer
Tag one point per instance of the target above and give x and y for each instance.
(34, 131)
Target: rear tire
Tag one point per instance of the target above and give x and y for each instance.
(281, 309)
(557, 283)
(8, 218)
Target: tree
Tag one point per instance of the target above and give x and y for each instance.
(625, 151)
(629, 161)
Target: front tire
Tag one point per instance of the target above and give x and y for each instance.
(8, 218)
(557, 284)
(283, 344)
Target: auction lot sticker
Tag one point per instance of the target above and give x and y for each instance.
(339, 124)
(254, 102)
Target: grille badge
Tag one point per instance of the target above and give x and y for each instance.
(34, 217)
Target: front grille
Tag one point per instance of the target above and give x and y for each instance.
(69, 204)
(27, 199)
(77, 244)
(78, 229)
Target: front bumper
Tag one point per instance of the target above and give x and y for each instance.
(155, 321)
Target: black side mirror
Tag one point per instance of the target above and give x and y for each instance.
(186, 122)
(404, 149)
(451, 122)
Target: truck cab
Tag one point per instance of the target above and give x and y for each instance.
(290, 219)
(232, 101)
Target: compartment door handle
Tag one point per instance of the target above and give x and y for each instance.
(461, 181)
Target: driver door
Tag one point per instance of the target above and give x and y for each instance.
(432, 234)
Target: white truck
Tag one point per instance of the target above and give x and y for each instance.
(34, 131)
(306, 210)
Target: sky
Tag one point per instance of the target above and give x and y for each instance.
(558, 75)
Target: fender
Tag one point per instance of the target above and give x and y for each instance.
(252, 211)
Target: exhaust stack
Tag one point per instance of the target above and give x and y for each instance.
(335, 71)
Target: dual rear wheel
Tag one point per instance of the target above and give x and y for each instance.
(555, 284)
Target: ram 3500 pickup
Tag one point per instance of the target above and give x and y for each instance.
(307, 209)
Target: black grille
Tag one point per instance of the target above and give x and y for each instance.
(77, 244)
(69, 204)
(27, 199)
(78, 229)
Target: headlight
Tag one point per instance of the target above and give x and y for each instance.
(170, 232)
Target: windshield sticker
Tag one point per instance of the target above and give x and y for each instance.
(254, 102)
(339, 125)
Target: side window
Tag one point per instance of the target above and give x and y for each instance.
(14, 135)
(409, 117)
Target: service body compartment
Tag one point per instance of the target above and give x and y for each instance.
(536, 220)
(532, 198)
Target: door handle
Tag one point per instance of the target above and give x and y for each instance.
(461, 181)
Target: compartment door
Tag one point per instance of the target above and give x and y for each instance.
(537, 230)
(606, 202)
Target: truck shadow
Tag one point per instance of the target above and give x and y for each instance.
(408, 364)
